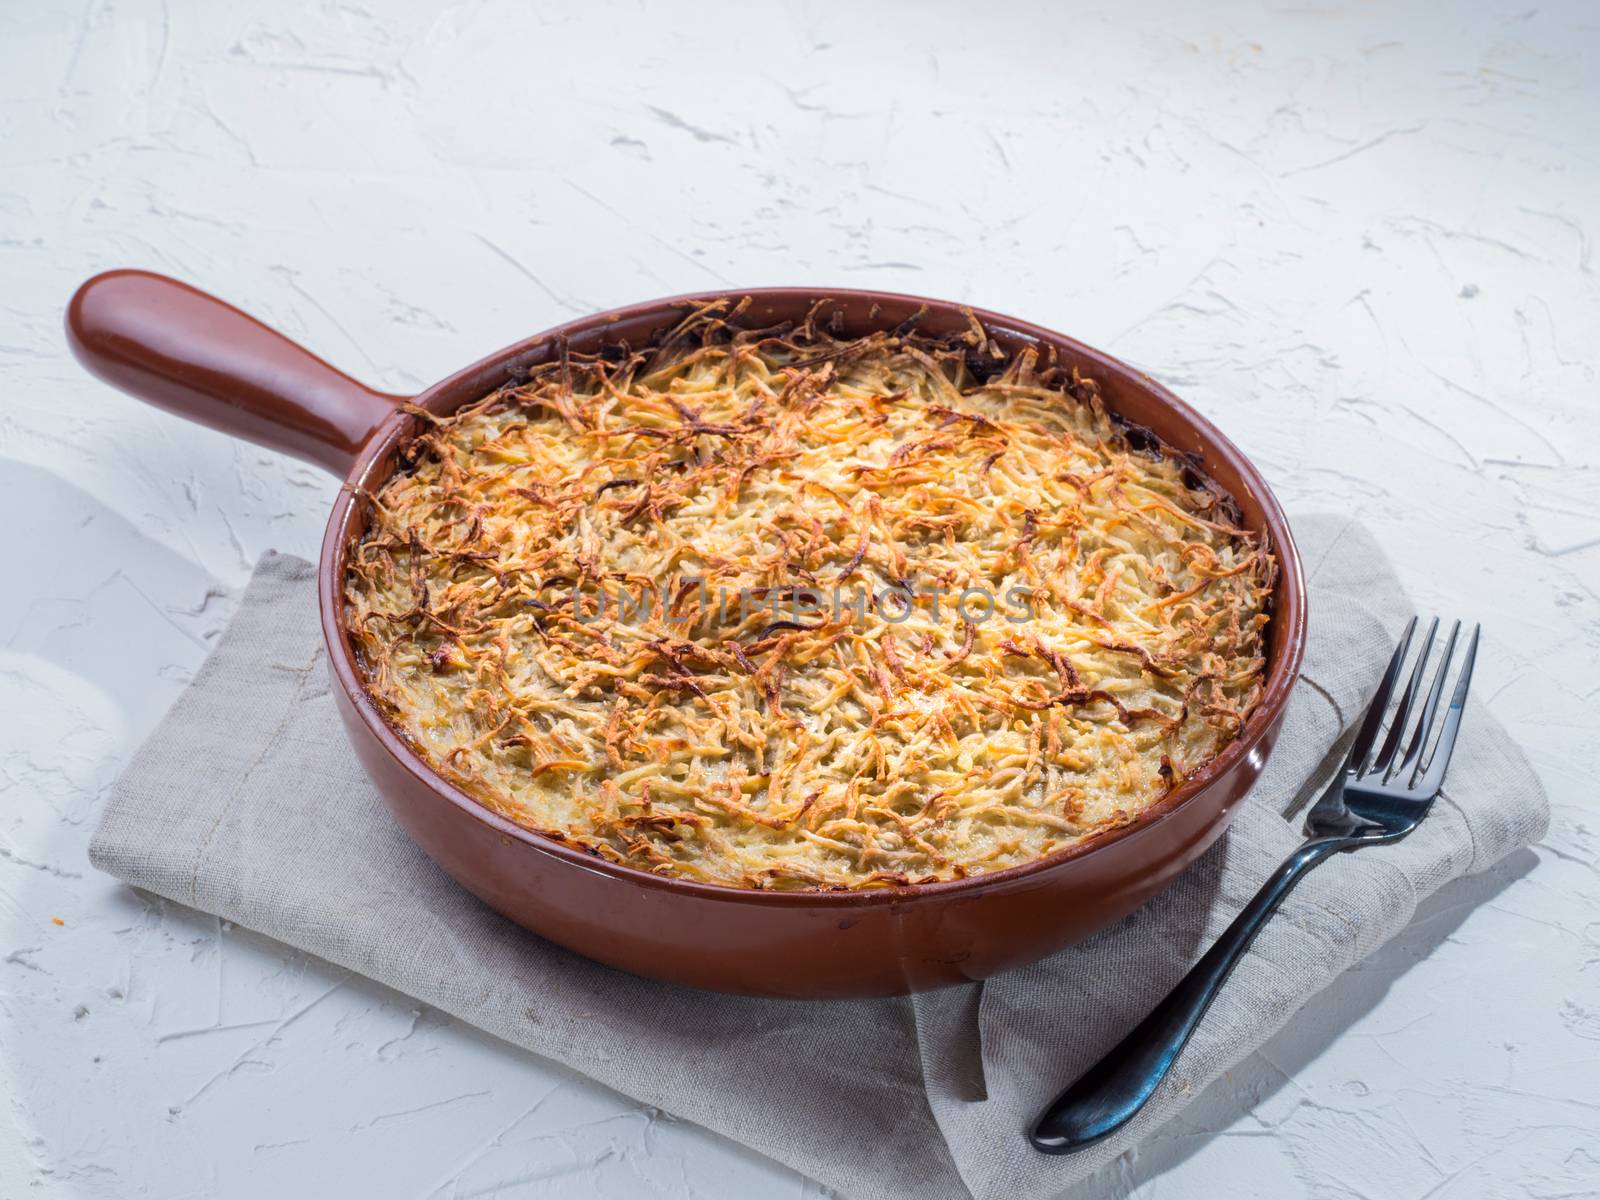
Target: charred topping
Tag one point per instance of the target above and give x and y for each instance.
(903, 741)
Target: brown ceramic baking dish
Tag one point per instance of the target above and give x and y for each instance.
(189, 353)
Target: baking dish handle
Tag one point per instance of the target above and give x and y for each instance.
(174, 346)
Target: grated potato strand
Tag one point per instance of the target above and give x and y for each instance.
(827, 732)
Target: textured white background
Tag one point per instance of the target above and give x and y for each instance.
(1360, 236)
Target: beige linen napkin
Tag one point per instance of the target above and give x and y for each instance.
(247, 802)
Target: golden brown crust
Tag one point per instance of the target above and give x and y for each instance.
(823, 732)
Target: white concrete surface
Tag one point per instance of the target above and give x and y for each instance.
(1360, 236)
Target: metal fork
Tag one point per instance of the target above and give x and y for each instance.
(1382, 794)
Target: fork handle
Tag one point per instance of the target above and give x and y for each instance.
(1108, 1094)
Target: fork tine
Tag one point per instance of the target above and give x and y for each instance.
(1362, 746)
(1408, 767)
(1403, 713)
(1433, 778)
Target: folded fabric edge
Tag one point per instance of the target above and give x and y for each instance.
(117, 857)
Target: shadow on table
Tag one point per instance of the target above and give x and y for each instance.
(1309, 1032)
(99, 599)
